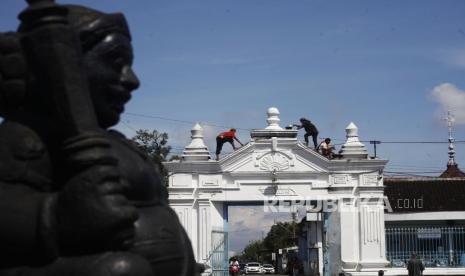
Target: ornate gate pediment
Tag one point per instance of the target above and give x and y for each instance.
(290, 158)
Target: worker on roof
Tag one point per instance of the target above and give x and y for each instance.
(326, 148)
(224, 137)
(310, 130)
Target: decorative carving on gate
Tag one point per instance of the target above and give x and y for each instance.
(340, 179)
(277, 191)
(371, 223)
(274, 162)
(370, 180)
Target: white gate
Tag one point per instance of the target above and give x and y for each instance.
(219, 254)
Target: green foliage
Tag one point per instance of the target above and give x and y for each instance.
(281, 235)
(253, 251)
(154, 144)
(235, 257)
(175, 157)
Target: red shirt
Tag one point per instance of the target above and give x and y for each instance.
(228, 134)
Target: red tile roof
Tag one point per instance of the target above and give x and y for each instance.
(452, 171)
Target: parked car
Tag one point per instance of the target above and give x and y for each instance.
(399, 263)
(267, 268)
(253, 268)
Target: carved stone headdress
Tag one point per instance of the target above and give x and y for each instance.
(91, 26)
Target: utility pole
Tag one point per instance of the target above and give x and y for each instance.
(374, 143)
(294, 224)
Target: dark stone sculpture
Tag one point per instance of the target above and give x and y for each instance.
(76, 198)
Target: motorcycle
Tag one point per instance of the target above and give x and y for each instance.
(235, 270)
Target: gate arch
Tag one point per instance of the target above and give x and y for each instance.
(275, 165)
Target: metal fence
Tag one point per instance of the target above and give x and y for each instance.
(219, 254)
(436, 246)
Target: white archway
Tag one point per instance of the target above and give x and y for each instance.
(275, 167)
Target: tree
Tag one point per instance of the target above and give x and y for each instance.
(253, 250)
(280, 236)
(175, 157)
(154, 144)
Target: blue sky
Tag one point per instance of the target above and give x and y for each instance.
(225, 62)
(375, 63)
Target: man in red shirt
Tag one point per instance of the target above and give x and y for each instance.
(224, 137)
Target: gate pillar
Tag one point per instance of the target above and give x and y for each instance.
(204, 230)
(363, 244)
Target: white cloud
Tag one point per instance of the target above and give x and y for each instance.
(247, 218)
(209, 137)
(248, 223)
(209, 132)
(452, 98)
(232, 253)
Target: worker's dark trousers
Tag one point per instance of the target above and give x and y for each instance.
(314, 137)
(220, 141)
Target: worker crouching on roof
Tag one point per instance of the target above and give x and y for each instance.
(224, 137)
(326, 148)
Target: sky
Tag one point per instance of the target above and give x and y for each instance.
(394, 68)
(251, 223)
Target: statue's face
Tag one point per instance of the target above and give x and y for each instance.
(111, 79)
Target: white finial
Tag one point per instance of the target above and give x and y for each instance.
(273, 129)
(196, 150)
(450, 119)
(351, 130)
(353, 148)
(273, 119)
(196, 131)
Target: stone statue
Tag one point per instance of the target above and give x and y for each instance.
(75, 197)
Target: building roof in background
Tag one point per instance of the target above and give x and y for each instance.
(452, 171)
(428, 194)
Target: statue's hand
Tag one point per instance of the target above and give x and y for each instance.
(93, 214)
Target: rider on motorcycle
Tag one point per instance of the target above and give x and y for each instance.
(234, 267)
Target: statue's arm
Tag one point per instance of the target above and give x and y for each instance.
(25, 232)
(89, 215)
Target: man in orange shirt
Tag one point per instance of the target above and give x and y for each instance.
(224, 137)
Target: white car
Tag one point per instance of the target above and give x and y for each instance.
(267, 268)
(253, 268)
